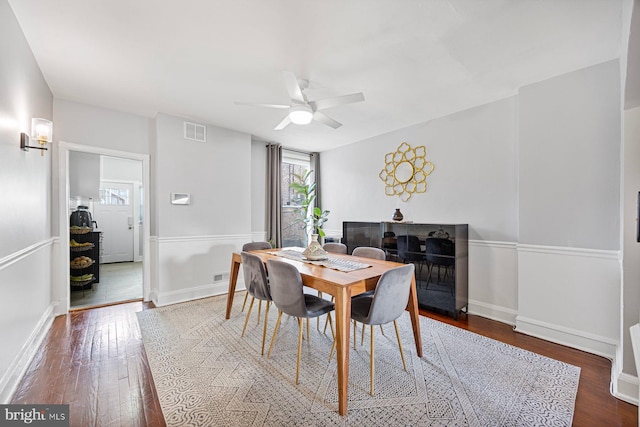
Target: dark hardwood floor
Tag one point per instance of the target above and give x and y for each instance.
(94, 360)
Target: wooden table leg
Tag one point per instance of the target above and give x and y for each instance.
(233, 278)
(412, 306)
(343, 316)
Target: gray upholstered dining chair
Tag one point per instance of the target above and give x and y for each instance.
(373, 253)
(335, 248)
(255, 277)
(253, 246)
(369, 252)
(287, 294)
(386, 305)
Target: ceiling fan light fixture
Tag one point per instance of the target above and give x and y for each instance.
(300, 114)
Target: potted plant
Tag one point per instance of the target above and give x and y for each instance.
(312, 218)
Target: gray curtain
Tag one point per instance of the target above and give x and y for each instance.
(315, 167)
(274, 197)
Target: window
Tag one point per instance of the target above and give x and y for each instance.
(114, 196)
(294, 166)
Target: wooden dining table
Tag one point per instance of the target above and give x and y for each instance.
(342, 285)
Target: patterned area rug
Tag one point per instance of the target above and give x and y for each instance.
(206, 375)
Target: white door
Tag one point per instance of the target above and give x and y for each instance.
(114, 215)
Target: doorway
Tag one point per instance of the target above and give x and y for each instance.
(114, 214)
(112, 185)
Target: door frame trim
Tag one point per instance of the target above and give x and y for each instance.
(64, 292)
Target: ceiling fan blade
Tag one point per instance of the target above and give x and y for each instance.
(323, 118)
(321, 104)
(253, 104)
(293, 88)
(283, 124)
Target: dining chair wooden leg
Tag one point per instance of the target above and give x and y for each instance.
(371, 362)
(333, 332)
(326, 321)
(354, 335)
(246, 295)
(308, 336)
(300, 346)
(333, 348)
(259, 308)
(246, 320)
(264, 331)
(318, 318)
(395, 325)
(362, 339)
(275, 332)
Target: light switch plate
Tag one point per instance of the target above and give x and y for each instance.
(180, 198)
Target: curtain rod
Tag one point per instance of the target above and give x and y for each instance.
(292, 150)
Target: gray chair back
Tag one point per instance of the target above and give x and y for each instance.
(369, 252)
(391, 295)
(256, 246)
(255, 276)
(286, 288)
(440, 251)
(335, 248)
(409, 248)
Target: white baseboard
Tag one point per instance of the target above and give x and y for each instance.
(493, 312)
(580, 340)
(16, 370)
(197, 292)
(625, 387)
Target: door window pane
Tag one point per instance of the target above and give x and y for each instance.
(114, 196)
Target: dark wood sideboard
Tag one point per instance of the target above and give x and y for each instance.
(442, 276)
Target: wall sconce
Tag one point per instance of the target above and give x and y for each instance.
(41, 131)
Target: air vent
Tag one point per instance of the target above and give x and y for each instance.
(195, 132)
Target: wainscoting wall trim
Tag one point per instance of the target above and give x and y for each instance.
(493, 244)
(558, 250)
(493, 312)
(25, 252)
(14, 373)
(223, 238)
(591, 343)
(570, 296)
(202, 264)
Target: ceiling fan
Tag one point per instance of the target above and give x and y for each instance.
(301, 110)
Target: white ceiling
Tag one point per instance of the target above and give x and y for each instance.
(414, 60)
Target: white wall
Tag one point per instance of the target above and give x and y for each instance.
(100, 127)
(474, 181)
(193, 243)
(537, 178)
(631, 247)
(26, 243)
(84, 175)
(569, 129)
(568, 267)
(118, 169)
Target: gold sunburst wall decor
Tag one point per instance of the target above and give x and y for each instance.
(405, 171)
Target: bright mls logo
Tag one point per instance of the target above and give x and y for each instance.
(35, 415)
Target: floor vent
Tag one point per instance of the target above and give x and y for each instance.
(195, 132)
